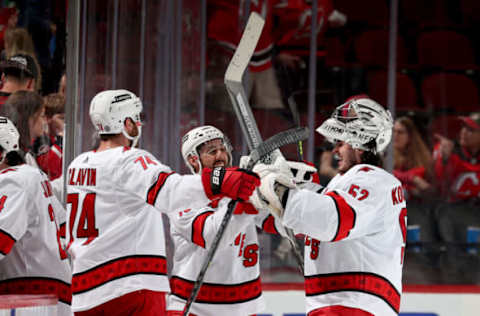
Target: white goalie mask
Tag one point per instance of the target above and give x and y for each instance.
(9, 137)
(198, 136)
(109, 109)
(358, 122)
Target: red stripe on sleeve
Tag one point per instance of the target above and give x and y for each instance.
(268, 225)
(346, 216)
(197, 228)
(156, 187)
(6, 242)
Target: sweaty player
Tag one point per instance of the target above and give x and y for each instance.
(116, 194)
(232, 282)
(32, 258)
(356, 227)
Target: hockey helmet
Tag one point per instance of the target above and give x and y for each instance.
(358, 122)
(9, 136)
(198, 136)
(109, 109)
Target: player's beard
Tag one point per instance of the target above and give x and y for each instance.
(347, 160)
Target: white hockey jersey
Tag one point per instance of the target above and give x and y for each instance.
(354, 249)
(115, 230)
(232, 282)
(33, 260)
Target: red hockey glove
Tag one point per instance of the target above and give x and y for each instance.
(234, 183)
(245, 207)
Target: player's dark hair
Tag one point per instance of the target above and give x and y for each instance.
(370, 157)
(19, 108)
(14, 158)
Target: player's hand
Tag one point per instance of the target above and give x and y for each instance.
(235, 183)
(245, 208)
(276, 180)
(302, 171)
(445, 147)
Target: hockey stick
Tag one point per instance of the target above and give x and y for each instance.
(292, 104)
(264, 149)
(236, 91)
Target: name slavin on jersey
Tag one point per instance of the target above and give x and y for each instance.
(82, 176)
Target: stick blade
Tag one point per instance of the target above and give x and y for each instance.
(245, 48)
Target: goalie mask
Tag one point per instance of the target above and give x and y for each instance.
(9, 137)
(109, 109)
(199, 136)
(362, 123)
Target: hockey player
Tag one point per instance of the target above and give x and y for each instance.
(232, 282)
(355, 228)
(116, 194)
(32, 258)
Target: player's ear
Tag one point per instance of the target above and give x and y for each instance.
(129, 125)
(194, 162)
(358, 155)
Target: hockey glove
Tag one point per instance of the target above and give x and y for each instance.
(302, 172)
(276, 180)
(235, 183)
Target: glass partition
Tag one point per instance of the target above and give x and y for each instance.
(155, 49)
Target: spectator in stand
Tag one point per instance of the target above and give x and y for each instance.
(62, 85)
(226, 20)
(18, 41)
(36, 17)
(19, 72)
(457, 169)
(8, 19)
(51, 161)
(27, 112)
(291, 33)
(413, 166)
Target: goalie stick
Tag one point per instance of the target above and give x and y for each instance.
(243, 112)
(264, 149)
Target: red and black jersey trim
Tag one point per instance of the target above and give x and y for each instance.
(116, 269)
(6, 242)
(364, 282)
(213, 293)
(346, 216)
(156, 187)
(198, 225)
(38, 285)
(62, 230)
(268, 225)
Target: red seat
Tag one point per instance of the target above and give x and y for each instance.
(374, 13)
(446, 125)
(450, 91)
(426, 13)
(335, 56)
(445, 49)
(406, 98)
(470, 10)
(371, 49)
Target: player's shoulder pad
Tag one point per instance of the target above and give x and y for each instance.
(142, 158)
(21, 175)
(371, 176)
